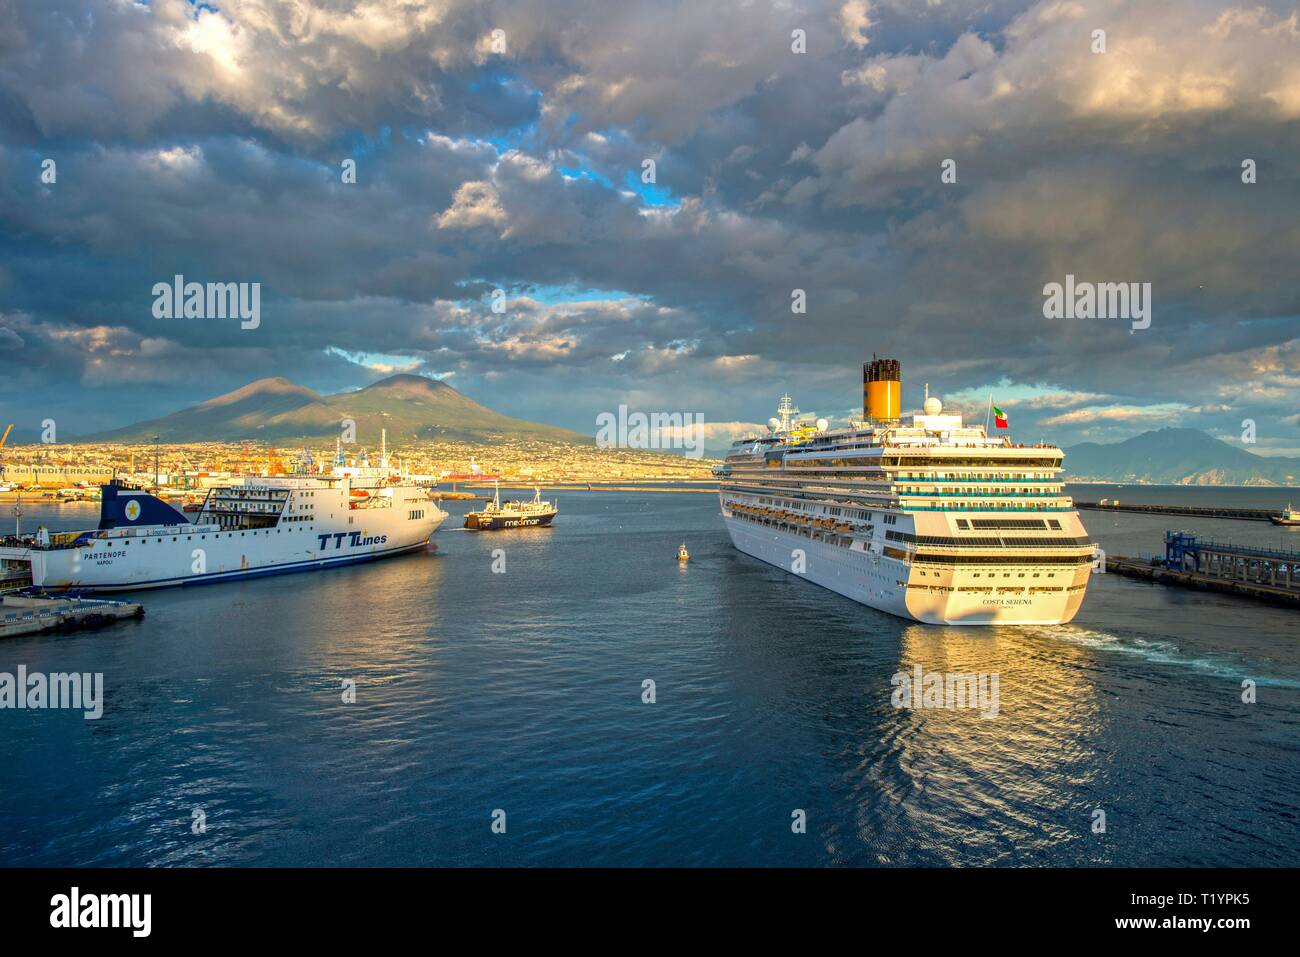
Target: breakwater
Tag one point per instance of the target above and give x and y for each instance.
(1191, 511)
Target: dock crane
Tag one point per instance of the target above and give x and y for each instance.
(3, 439)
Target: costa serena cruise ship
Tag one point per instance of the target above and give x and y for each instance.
(922, 517)
(260, 526)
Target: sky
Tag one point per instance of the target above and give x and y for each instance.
(920, 169)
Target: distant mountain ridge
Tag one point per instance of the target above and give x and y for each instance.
(1173, 456)
(410, 407)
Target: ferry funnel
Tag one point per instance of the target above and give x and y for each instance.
(881, 390)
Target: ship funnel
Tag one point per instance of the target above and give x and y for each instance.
(881, 390)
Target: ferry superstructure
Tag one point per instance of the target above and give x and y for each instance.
(922, 516)
(256, 526)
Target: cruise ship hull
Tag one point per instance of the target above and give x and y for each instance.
(881, 582)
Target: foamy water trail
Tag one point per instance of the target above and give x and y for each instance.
(1163, 651)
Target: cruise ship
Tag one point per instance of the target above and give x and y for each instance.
(920, 516)
(250, 527)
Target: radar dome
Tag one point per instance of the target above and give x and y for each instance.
(774, 423)
(823, 425)
(933, 406)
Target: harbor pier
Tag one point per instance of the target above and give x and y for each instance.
(21, 615)
(1265, 574)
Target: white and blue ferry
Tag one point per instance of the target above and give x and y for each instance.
(259, 526)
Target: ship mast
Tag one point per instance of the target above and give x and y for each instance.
(786, 411)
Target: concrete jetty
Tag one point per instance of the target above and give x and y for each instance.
(26, 615)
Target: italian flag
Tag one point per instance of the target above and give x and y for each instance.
(999, 418)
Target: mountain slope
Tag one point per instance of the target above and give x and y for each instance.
(261, 406)
(410, 407)
(1177, 457)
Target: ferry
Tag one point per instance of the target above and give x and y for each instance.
(253, 527)
(498, 515)
(922, 516)
(1288, 517)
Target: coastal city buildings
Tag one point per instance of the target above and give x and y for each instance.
(180, 466)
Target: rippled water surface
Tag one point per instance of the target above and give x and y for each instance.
(523, 691)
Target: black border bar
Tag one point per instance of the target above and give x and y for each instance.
(304, 905)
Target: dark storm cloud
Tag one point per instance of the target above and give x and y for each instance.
(209, 143)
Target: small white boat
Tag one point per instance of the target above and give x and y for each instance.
(682, 554)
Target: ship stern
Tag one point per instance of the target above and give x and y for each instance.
(981, 605)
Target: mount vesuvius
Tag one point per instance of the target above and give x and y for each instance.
(410, 407)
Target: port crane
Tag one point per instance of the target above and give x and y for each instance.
(3, 439)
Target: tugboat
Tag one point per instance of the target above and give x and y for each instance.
(682, 554)
(1288, 517)
(498, 515)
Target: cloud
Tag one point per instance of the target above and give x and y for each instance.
(381, 364)
(306, 70)
(1146, 415)
(1168, 66)
(210, 142)
(855, 21)
(476, 203)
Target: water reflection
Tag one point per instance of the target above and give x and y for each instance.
(988, 787)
